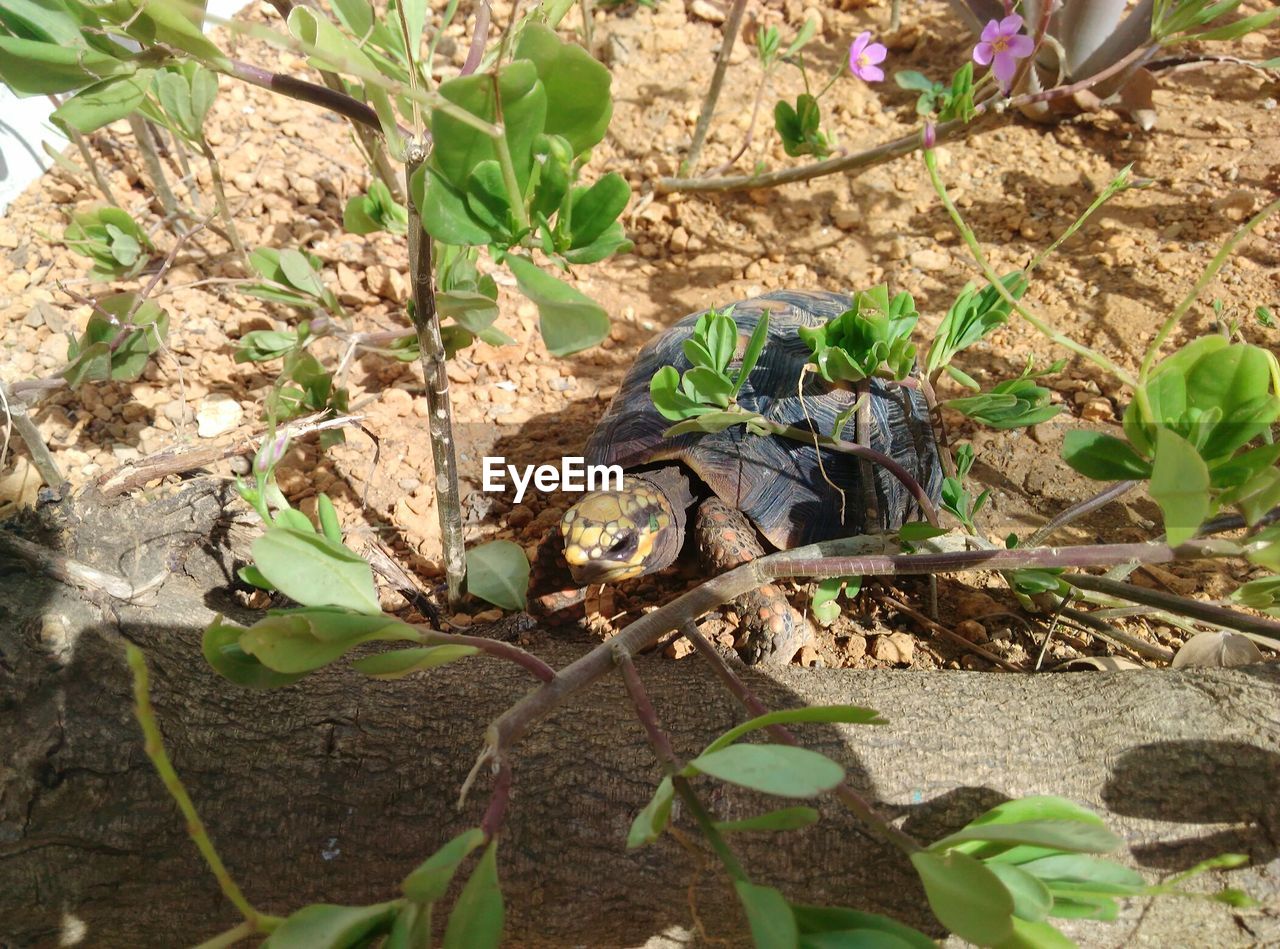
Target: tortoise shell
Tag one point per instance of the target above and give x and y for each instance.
(775, 481)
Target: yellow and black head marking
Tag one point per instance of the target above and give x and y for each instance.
(616, 535)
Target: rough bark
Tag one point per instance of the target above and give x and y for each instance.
(331, 790)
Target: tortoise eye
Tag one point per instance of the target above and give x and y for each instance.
(623, 542)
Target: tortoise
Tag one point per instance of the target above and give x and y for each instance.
(740, 481)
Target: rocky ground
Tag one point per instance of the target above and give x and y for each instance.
(1210, 162)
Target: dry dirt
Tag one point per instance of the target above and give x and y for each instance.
(1210, 162)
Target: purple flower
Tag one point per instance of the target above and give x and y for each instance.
(863, 56)
(1003, 44)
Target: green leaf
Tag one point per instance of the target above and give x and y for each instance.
(1035, 935)
(1262, 594)
(1239, 28)
(1103, 457)
(474, 311)
(498, 572)
(579, 104)
(652, 821)
(431, 879)
(487, 200)
(261, 345)
(1069, 835)
(459, 148)
(296, 642)
(768, 915)
(299, 273)
(103, 102)
(398, 663)
(613, 241)
(569, 320)
(1180, 485)
(710, 422)
(324, 926)
(771, 769)
(821, 714)
(1102, 876)
(1031, 898)
(707, 386)
(32, 68)
(444, 212)
(314, 571)
(477, 918)
(48, 21)
(755, 346)
(864, 929)
(915, 531)
(356, 218)
(221, 648)
(966, 897)
(918, 82)
(598, 207)
(784, 818)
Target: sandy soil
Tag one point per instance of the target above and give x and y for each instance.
(1210, 161)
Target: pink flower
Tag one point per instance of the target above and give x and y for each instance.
(1003, 44)
(863, 56)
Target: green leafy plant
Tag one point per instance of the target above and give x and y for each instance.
(122, 334)
(872, 338)
(1188, 430)
(375, 210)
(291, 277)
(1013, 403)
(110, 237)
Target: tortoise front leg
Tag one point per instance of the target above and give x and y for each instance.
(774, 630)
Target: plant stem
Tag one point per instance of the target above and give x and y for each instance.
(224, 207)
(1196, 609)
(730, 36)
(945, 131)
(1148, 360)
(997, 284)
(499, 799)
(439, 413)
(515, 196)
(229, 938)
(41, 458)
(98, 177)
(154, 747)
(850, 798)
(1079, 510)
(658, 739)
(492, 647)
(867, 159)
(138, 125)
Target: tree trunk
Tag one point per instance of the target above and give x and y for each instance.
(333, 789)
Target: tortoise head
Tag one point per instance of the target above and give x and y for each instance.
(616, 535)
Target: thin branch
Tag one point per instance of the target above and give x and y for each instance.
(439, 413)
(1196, 609)
(732, 25)
(80, 575)
(1148, 360)
(948, 633)
(154, 746)
(1079, 510)
(816, 560)
(177, 461)
(945, 131)
(492, 647)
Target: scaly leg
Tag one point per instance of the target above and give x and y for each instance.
(774, 629)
